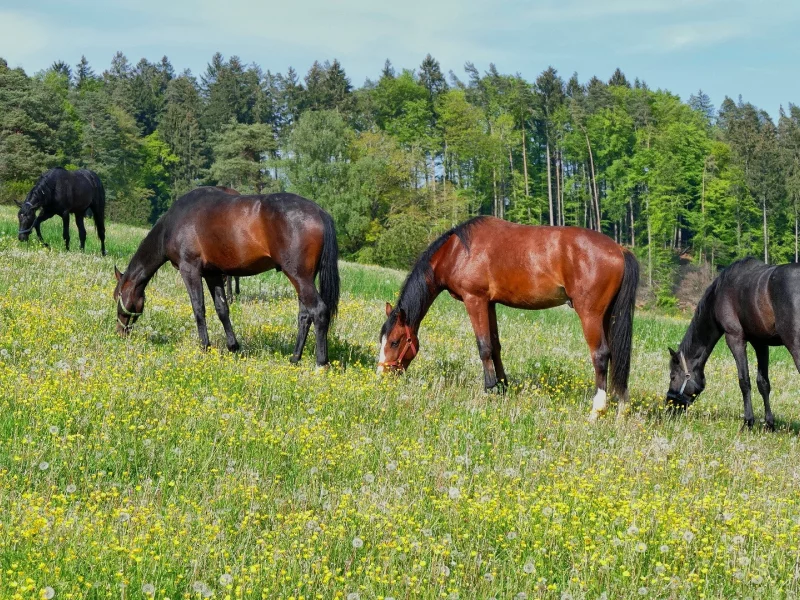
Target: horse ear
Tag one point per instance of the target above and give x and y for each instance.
(388, 309)
(673, 354)
(117, 274)
(18, 203)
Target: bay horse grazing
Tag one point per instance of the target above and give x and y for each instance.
(228, 284)
(59, 192)
(487, 261)
(748, 302)
(207, 234)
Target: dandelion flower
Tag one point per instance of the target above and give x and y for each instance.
(454, 493)
(148, 589)
(226, 579)
(53, 429)
(71, 488)
(358, 543)
(641, 547)
(688, 536)
(44, 465)
(48, 593)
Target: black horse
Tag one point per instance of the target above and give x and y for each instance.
(748, 302)
(61, 192)
(208, 234)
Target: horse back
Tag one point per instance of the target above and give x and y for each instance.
(746, 298)
(535, 266)
(246, 235)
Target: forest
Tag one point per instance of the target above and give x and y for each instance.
(412, 152)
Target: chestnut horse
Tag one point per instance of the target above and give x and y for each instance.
(486, 261)
(207, 234)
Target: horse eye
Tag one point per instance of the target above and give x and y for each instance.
(395, 343)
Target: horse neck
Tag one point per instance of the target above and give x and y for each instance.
(148, 257)
(703, 334)
(417, 302)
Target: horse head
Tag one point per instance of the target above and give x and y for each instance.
(26, 217)
(130, 302)
(686, 379)
(399, 342)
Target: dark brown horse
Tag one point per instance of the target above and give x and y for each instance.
(207, 234)
(59, 192)
(228, 282)
(748, 302)
(488, 261)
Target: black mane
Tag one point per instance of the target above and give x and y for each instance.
(703, 314)
(416, 293)
(43, 188)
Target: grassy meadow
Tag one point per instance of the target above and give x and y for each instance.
(145, 468)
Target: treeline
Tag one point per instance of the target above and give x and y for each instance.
(413, 152)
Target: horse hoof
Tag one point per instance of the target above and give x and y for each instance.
(595, 415)
(294, 360)
(234, 347)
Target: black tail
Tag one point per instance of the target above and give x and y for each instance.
(329, 266)
(99, 211)
(621, 330)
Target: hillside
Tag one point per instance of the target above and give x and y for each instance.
(143, 467)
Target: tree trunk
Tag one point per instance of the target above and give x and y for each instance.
(525, 160)
(649, 247)
(549, 183)
(494, 186)
(766, 234)
(594, 182)
(558, 189)
(633, 225)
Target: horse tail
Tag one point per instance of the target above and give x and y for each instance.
(621, 329)
(329, 266)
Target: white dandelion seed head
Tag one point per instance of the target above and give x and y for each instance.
(53, 429)
(641, 547)
(48, 593)
(511, 535)
(633, 530)
(488, 577)
(44, 465)
(547, 511)
(358, 543)
(369, 478)
(688, 536)
(642, 591)
(529, 567)
(454, 493)
(445, 570)
(226, 579)
(521, 596)
(148, 589)
(566, 596)
(663, 548)
(391, 466)
(71, 488)
(124, 517)
(353, 596)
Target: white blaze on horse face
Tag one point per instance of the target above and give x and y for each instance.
(382, 356)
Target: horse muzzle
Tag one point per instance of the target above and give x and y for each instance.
(23, 237)
(679, 400)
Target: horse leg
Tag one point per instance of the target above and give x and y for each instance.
(37, 222)
(762, 381)
(81, 230)
(595, 335)
(65, 220)
(100, 226)
(495, 338)
(194, 285)
(304, 320)
(228, 288)
(312, 308)
(738, 348)
(478, 311)
(237, 285)
(217, 289)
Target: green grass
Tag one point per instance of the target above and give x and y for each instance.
(139, 465)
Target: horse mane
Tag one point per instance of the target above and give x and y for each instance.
(45, 183)
(150, 254)
(702, 314)
(416, 294)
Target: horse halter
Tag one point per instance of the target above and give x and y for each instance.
(127, 312)
(29, 229)
(398, 362)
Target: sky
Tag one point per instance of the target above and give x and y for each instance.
(725, 47)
